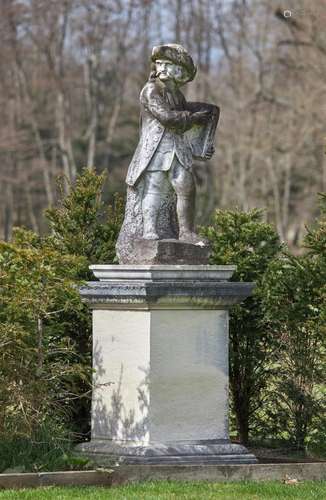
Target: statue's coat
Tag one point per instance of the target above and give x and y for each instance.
(160, 119)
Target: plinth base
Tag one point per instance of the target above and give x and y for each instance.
(222, 452)
(165, 252)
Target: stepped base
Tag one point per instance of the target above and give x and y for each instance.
(104, 452)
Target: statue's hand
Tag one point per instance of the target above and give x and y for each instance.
(210, 153)
(201, 117)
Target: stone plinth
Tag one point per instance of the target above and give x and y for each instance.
(160, 354)
(164, 252)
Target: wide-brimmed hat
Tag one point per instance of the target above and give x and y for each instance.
(176, 54)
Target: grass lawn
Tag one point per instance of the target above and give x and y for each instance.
(166, 490)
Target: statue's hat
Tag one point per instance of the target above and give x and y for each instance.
(178, 55)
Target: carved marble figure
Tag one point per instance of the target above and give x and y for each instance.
(161, 187)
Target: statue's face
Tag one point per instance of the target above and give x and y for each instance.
(167, 70)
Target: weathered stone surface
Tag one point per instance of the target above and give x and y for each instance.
(160, 354)
(166, 251)
(133, 227)
(159, 286)
(162, 295)
(124, 474)
(216, 473)
(156, 295)
(167, 376)
(162, 273)
(24, 480)
(62, 478)
(200, 453)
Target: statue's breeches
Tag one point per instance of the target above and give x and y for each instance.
(160, 182)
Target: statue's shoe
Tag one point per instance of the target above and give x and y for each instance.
(193, 238)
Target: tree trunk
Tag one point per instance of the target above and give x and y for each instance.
(40, 353)
(243, 429)
(241, 409)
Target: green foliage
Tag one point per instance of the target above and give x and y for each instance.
(35, 277)
(81, 225)
(45, 330)
(49, 448)
(295, 308)
(315, 239)
(243, 239)
(39, 364)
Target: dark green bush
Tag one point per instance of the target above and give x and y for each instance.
(295, 310)
(243, 239)
(45, 330)
(81, 224)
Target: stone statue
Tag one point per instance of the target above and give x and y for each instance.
(167, 399)
(160, 204)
